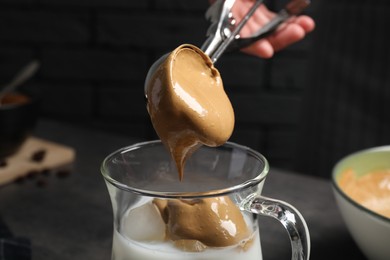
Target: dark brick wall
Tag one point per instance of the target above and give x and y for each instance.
(95, 55)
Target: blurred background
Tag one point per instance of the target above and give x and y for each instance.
(95, 54)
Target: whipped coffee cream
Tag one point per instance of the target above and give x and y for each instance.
(226, 234)
(188, 108)
(215, 222)
(372, 190)
(188, 105)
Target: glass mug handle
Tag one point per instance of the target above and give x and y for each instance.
(289, 217)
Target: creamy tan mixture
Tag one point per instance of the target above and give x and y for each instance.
(189, 108)
(372, 190)
(188, 105)
(199, 223)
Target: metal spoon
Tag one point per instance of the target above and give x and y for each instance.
(24, 74)
(221, 24)
(224, 34)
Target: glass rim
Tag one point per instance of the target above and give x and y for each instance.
(164, 194)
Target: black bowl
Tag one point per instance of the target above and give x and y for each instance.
(18, 116)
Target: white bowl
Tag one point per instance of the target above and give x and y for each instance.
(370, 230)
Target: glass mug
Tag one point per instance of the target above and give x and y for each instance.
(137, 174)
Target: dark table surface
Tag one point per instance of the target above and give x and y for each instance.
(71, 218)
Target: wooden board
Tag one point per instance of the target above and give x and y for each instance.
(56, 156)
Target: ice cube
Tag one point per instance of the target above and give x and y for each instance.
(144, 223)
(190, 245)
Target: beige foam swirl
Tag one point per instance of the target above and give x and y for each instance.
(216, 222)
(188, 105)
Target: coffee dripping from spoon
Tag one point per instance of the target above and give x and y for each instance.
(185, 97)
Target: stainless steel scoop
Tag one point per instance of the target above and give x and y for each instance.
(225, 37)
(223, 33)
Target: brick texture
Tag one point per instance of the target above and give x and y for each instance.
(59, 100)
(180, 5)
(91, 64)
(266, 108)
(96, 3)
(95, 55)
(11, 60)
(122, 102)
(17, 2)
(288, 73)
(158, 30)
(42, 26)
(248, 78)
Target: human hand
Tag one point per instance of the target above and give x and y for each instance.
(293, 30)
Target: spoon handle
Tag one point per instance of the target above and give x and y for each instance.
(224, 35)
(294, 7)
(214, 57)
(21, 77)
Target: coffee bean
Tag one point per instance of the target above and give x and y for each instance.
(63, 173)
(3, 163)
(38, 155)
(45, 172)
(32, 174)
(20, 180)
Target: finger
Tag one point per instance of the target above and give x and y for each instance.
(261, 16)
(261, 48)
(290, 33)
(306, 22)
(286, 36)
(253, 24)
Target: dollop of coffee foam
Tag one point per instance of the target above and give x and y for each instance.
(189, 108)
(187, 104)
(215, 222)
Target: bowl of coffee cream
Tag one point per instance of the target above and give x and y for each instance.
(361, 184)
(187, 104)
